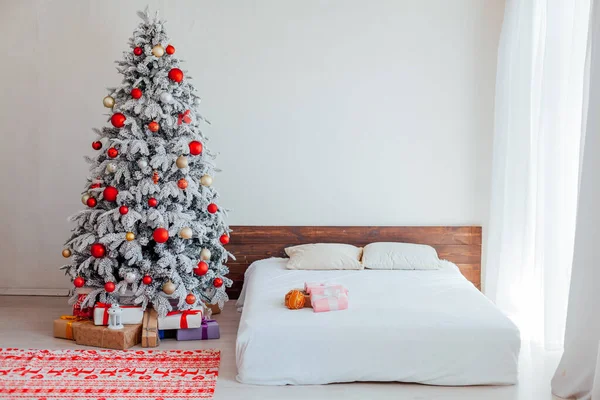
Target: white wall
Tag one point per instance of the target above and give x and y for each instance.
(325, 112)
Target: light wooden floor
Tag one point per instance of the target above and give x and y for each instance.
(26, 322)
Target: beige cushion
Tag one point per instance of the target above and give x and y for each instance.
(385, 255)
(324, 256)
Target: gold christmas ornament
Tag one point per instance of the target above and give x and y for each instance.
(205, 254)
(186, 233)
(129, 236)
(108, 101)
(66, 253)
(169, 287)
(206, 180)
(111, 168)
(181, 162)
(85, 198)
(158, 51)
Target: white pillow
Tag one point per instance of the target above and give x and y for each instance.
(384, 255)
(324, 256)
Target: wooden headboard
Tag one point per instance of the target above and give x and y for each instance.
(459, 244)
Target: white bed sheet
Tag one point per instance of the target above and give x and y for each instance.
(432, 327)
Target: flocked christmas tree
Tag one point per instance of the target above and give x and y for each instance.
(152, 229)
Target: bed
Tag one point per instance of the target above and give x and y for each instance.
(432, 327)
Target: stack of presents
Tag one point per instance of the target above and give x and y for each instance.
(123, 326)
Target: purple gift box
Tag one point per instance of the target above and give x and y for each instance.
(208, 330)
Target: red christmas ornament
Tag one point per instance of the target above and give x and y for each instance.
(96, 145)
(195, 148)
(212, 208)
(190, 299)
(153, 126)
(112, 152)
(91, 202)
(94, 185)
(110, 193)
(147, 279)
(152, 202)
(118, 120)
(98, 250)
(170, 50)
(136, 93)
(182, 183)
(176, 75)
(218, 282)
(224, 239)
(123, 210)
(160, 235)
(138, 51)
(79, 282)
(202, 268)
(109, 287)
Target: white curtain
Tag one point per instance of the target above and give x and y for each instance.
(578, 374)
(539, 96)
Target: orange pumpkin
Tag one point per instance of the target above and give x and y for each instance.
(294, 299)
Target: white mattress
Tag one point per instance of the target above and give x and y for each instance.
(432, 327)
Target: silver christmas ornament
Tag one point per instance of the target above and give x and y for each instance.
(142, 163)
(111, 168)
(130, 277)
(186, 233)
(166, 97)
(85, 198)
(158, 51)
(205, 254)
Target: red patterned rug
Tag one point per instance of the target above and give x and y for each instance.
(108, 374)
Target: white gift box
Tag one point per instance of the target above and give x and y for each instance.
(131, 314)
(182, 319)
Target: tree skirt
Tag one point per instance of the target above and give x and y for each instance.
(108, 374)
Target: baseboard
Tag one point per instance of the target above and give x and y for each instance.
(34, 292)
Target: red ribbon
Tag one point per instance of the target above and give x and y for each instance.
(184, 117)
(106, 307)
(183, 324)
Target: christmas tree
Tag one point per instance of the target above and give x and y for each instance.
(152, 230)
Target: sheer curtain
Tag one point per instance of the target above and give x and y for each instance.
(539, 96)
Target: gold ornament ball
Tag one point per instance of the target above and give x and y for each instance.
(111, 168)
(186, 233)
(129, 236)
(206, 180)
(169, 287)
(66, 253)
(108, 101)
(205, 254)
(85, 198)
(158, 51)
(181, 162)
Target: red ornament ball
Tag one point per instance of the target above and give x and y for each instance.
(147, 279)
(153, 126)
(96, 145)
(212, 208)
(109, 287)
(224, 239)
(170, 50)
(98, 250)
(79, 282)
(118, 120)
(182, 183)
(195, 148)
(190, 299)
(176, 75)
(136, 93)
(138, 51)
(123, 210)
(160, 235)
(110, 193)
(112, 152)
(202, 268)
(91, 202)
(218, 282)
(152, 202)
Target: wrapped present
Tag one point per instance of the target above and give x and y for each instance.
(329, 300)
(130, 315)
(150, 328)
(100, 336)
(167, 334)
(208, 330)
(66, 324)
(182, 319)
(214, 308)
(319, 288)
(82, 312)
